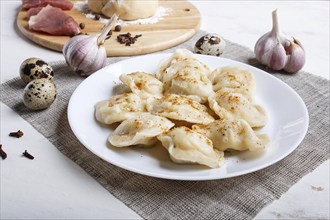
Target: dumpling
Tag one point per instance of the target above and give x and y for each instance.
(141, 129)
(228, 104)
(183, 74)
(189, 81)
(179, 108)
(119, 108)
(179, 55)
(239, 79)
(187, 146)
(143, 84)
(236, 135)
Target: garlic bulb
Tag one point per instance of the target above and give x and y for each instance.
(278, 51)
(86, 54)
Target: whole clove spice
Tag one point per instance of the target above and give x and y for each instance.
(16, 134)
(127, 39)
(2, 153)
(28, 155)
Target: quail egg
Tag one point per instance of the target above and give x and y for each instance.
(35, 68)
(210, 44)
(39, 94)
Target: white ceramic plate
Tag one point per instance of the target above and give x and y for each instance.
(287, 126)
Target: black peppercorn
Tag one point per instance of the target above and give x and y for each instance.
(82, 25)
(118, 28)
(97, 17)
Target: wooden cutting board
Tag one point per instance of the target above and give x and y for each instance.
(181, 23)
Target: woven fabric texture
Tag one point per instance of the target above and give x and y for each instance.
(235, 198)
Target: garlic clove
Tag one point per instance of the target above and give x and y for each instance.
(260, 48)
(296, 57)
(278, 58)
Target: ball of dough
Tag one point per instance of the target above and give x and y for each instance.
(97, 5)
(130, 9)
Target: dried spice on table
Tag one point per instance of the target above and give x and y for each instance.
(28, 155)
(3, 154)
(16, 134)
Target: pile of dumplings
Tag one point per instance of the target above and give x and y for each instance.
(195, 112)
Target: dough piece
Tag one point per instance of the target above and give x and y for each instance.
(238, 135)
(179, 55)
(187, 146)
(119, 108)
(179, 108)
(189, 80)
(239, 79)
(228, 104)
(96, 5)
(143, 84)
(183, 74)
(130, 9)
(141, 129)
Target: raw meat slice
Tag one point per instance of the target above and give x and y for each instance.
(63, 4)
(32, 11)
(54, 21)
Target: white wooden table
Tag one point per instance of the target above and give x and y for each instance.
(56, 188)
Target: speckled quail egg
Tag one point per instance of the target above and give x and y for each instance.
(35, 68)
(210, 44)
(39, 94)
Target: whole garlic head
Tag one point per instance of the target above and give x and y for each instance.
(86, 54)
(279, 52)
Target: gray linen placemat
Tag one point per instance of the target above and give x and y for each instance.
(234, 198)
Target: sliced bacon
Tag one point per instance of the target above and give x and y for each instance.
(32, 11)
(54, 21)
(63, 4)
